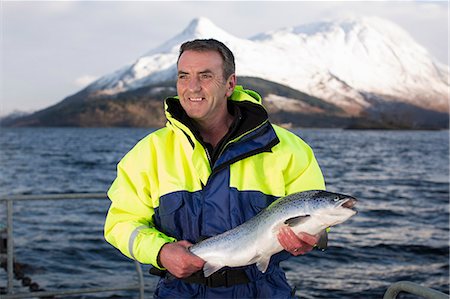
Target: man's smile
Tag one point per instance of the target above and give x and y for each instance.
(196, 99)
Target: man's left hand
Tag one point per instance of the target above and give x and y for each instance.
(296, 244)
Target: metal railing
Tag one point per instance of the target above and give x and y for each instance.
(412, 288)
(10, 251)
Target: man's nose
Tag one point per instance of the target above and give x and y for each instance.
(194, 84)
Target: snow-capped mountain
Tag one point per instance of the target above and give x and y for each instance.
(345, 62)
(350, 73)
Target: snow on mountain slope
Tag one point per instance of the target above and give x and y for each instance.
(369, 54)
(159, 65)
(338, 61)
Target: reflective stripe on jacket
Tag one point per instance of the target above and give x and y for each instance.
(166, 188)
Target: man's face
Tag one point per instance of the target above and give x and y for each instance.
(202, 90)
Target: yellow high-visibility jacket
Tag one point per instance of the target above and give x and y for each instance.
(169, 188)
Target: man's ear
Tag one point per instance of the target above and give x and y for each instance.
(231, 84)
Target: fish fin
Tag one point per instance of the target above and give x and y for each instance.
(323, 240)
(210, 268)
(294, 221)
(262, 264)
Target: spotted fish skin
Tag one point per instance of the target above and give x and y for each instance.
(255, 241)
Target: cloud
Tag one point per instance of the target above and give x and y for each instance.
(85, 80)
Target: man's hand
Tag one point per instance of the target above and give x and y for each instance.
(296, 244)
(177, 259)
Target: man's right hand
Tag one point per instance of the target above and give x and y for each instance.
(178, 260)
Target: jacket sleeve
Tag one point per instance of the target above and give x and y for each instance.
(300, 169)
(301, 173)
(129, 226)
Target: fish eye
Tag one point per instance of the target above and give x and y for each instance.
(336, 198)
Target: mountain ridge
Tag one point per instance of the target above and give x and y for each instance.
(352, 64)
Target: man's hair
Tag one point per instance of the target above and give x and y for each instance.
(201, 45)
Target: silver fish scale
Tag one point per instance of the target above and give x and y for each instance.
(306, 201)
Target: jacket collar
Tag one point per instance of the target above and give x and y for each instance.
(248, 102)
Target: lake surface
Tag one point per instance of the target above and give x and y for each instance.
(401, 231)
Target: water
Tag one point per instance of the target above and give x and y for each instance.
(400, 233)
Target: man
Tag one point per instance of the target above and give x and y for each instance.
(215, 165)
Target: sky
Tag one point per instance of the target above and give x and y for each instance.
(53, 49)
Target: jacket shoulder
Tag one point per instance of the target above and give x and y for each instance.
(289, 139)
(145, 146)
(157, 135)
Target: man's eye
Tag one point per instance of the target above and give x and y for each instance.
(182, 77)
(206, 76)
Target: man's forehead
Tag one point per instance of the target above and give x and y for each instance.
(208, 57)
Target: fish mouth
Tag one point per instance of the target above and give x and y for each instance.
(348, 202)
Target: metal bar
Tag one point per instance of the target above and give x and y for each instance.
(413, 288)
(141, 279)
(70, 292)
(54, 196)
(9, 246)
